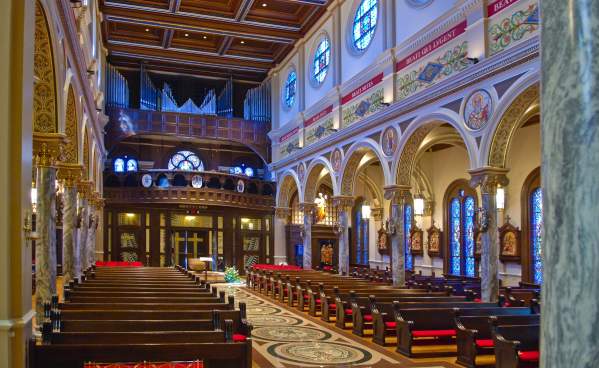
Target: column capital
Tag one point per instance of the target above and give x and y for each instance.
(397, 194)
(343, 202)
(377, 213)
(47, 148)
(70, 174)
(84, 187)
(488, 178)
(307, 207)
(282, 213)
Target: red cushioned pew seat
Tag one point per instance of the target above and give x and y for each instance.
(529, 356)
(433, 333)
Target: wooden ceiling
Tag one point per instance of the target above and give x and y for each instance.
(242, 38)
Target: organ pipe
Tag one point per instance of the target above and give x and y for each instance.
(256, 105)
(224, 102)
(148, 93)
(117, 88)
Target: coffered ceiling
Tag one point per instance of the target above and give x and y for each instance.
(242, 38)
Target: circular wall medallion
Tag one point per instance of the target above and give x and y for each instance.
(478, 109)
(336, 159)
(240, 186)
(301, 172)
(262, 310)
(289, 333)
(418, 3)
(197, 181)
(146, 180)
(269, 320)
(389, 141)
(319, 353)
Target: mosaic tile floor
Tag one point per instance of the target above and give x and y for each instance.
(284, 338)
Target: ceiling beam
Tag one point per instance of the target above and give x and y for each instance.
(174, 6)
(224, 46)
(167, 38)
(244, 8)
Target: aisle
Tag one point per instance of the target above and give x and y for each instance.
(283, 338)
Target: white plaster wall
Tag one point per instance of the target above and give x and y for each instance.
(409, 20)
(315, 92)
(353, 62)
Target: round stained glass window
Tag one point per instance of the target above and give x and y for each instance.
(185, 161)
(322, 59)
(365, 22)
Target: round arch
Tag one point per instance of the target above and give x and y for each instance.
(288, 184)
(314, 177)
(351, 162)
(410, 143)
(520, 103)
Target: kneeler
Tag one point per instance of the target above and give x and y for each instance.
(196, 364)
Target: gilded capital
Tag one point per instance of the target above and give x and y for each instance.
(377, 213)
(47, 148)
(343, 203)
(307, 207)
(84, 187)
(397, 194)
(282, 213)
(69, 174)
(488, 178)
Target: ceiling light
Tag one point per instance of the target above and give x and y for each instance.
(242, 42)
(187, 35)
(264, 5)
(147, 30)
(205, 37)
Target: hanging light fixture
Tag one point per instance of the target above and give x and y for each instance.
(366, 210)
(418, 206)
(34, 198)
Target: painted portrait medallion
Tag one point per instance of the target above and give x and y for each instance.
(478, 110)
(336, 159)
(301, 172)
(389, 141)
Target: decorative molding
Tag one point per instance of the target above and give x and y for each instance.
(343, 202)
(397, 194)
(282, 213)
(69, 174)
(488, 178)
(48, 148)
(45, 118)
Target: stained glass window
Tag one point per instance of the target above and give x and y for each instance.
(409, 264)
(536, 234)
(365, 242)
(185, 161)
(132, 165)
(358, 237)
(365, 22)
(119, 165)
(469, 235)
(361, 243)
(455, 236)
(322, 58)
(290, 88)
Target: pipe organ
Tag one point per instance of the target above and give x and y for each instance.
(256, 105)
(149, 95)
(208, 106)
(117, 88)
(224, 102)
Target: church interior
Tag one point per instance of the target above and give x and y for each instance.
(299, 183)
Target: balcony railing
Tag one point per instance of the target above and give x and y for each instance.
(126, 122)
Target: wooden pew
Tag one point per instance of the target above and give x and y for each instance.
(516, 346)
(473, 329)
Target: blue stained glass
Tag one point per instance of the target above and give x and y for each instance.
(119, 165)
(186, 161)
(290, 87)
(455, 235)
(322, 59)
(365, 22)
(536, 222)
(409, 265)
(131, 165)
(469, 235)
(365, 242)
(358, 238)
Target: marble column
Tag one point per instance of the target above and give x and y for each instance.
(308, 209)
(69, 174)
(570, 173)
(282, 215)
(395, 227)
(83, 230)
(488, 178)
(344, 205)
(90, 246)
(46, 149)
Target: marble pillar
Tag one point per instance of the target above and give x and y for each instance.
(45, 246)
(570, 173)
(69, 239)
(83, 230)
(90, 247)
(395, 227)
(282, 215)
(308, 209)
(488, 178)
(344, 205)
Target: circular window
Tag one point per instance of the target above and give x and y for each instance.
(290, 88)
(185, 161)
(364, 25)
(322, 59)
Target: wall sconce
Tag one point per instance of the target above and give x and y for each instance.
(34, 199)
(500, 198)
(366, 210)
(418, 206)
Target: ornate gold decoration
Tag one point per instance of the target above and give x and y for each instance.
(71, 149)
(44, 86)
(84, 187)
(85, 154)
(307, 208)
(69, 173)
(47, 148)
(283, 213)
(488, 178)
(407, 160)
(510, 121)
(343, 203)
(350, 171)
(377, 213)
(312, 181)
(397, 194)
